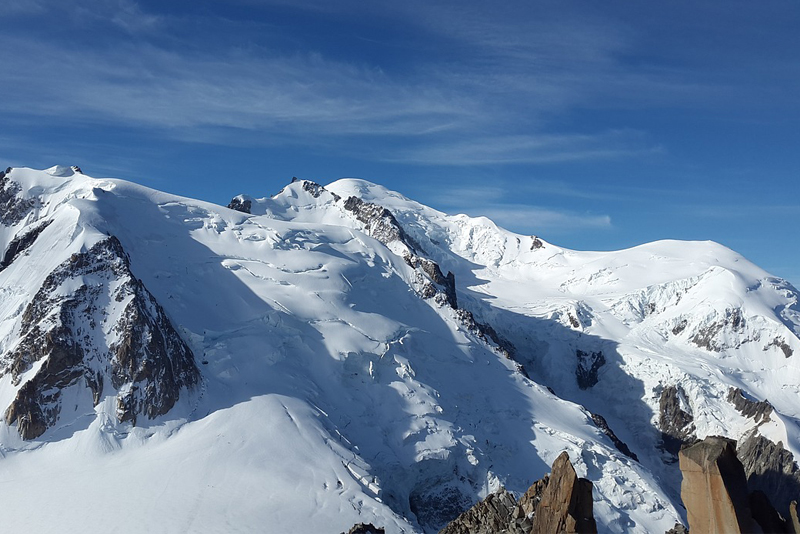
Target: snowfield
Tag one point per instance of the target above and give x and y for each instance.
(333, 391)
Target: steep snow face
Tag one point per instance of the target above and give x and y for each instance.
(614, 330)
(340, 381)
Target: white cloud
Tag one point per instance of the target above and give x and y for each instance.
(533, 219)
(535, 148)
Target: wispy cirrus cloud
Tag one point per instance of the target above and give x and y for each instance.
(142, 84)
(273, 96)
(498, 204)
(535, 219)
(532, 148)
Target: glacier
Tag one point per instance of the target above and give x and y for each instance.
(340, 354)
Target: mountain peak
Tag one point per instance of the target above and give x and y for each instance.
(411, 361)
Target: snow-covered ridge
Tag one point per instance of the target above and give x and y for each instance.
(346, 366)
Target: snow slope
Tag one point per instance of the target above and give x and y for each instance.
(335, 389)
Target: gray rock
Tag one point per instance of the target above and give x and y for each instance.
(621, 446)
(770, 468)
(240, 204)
(19, 244)
(491, 515)
(589, 363)
(781, 344)
(148, 364)
(677, 425)
(759, 411)
(13, 208)
(707, 337)
(678, 529)
(380, 223)
(365, 528)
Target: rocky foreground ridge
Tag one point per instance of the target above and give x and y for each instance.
(715, 492)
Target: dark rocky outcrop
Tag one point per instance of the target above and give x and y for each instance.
(536, 244)
(780, 344)
(566, 504)
(434, 272)
(707, 337)
(486, 332)
(380, 223)
(13, 208)
(714, 488)
(676, 424)
(771, 469)
(680, 327)
(19, 244)
(589, 363)
(493, 514)
(621, 446)
(759, 411)
(365, 528)
(240, 204)
(765, 514)
(316, 189)
(432, 283)
(678, 529)
(558, 503)
(108, 329)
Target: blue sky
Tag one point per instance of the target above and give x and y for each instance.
(596, 125)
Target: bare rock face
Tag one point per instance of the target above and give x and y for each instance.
(365, 528)
(714, 488)
(759, 411)
(589, 363)
(677, 425)
(621, 446)
(780, 343)
(493, 514)
(677, 529)
(380, 223)
(770, 468)
(20, 244)
(709, 337)
(92, 322)
(13, 208)
(566, 505)
(560, 503)
(240, 204)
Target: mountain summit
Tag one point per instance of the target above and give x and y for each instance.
(341, 354)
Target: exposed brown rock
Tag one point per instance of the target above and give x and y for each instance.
(714, 488)
(566, 505)
(560, 503)
(793, 522)
(493, 514)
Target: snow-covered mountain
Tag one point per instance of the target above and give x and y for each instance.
(342, 354)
